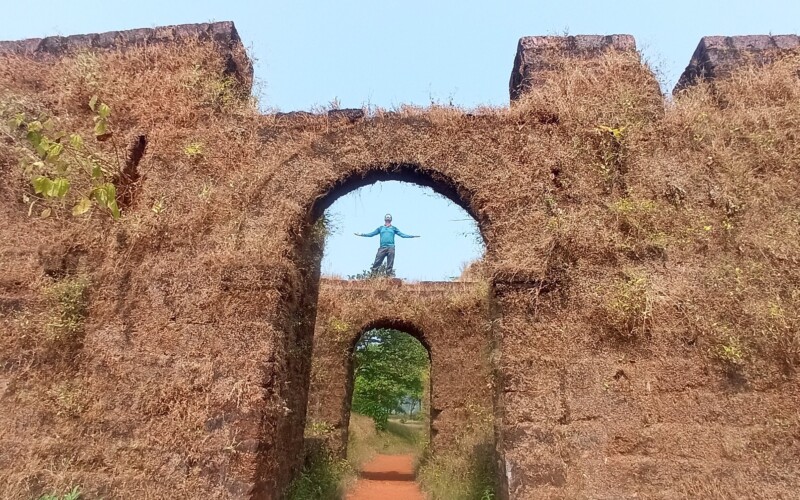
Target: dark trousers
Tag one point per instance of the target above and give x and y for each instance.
(388, 254)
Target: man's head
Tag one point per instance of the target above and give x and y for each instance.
(387, 219)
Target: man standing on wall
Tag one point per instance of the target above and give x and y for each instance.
(386, 249)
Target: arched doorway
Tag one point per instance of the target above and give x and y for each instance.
(388, 398)
(301, 301)
(449, 318)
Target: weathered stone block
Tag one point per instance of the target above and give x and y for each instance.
(223, 33)
(717, 56)
(350, 115)
(535, 54)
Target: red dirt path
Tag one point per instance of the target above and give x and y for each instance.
(387, 477)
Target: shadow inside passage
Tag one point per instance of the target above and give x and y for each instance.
(386, 476)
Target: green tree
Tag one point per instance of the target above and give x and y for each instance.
(389, 366)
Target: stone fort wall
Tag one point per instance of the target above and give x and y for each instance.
(645, 341)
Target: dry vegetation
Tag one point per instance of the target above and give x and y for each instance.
(663, 231)
(466, 470)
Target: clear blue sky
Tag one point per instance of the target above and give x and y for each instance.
(449, 236)
(390, 53)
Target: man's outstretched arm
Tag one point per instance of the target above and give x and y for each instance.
(368, 235)
(404, 235)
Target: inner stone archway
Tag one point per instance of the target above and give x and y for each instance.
(449, 319)
(447, 348)
(360, 342)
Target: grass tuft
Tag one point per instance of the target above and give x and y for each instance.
(68, 309)
(322, 477)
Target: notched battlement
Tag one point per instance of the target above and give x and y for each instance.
(223, 34)
(718, 56)
(535, 55)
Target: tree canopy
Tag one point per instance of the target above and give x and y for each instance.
(389, 367)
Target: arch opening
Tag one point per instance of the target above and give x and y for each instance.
(312, 245)
(319, 227)
(449, 237)
(437, 210)
(387, 404)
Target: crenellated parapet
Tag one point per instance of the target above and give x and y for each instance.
(536, 55)
(717, 56)
(224, 35)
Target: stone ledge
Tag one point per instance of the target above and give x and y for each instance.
(717, 56)
(396, 283)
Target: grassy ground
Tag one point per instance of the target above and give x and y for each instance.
(399, 438)
(464, 470)
(327, 478)
(323, 478)
(464, 473)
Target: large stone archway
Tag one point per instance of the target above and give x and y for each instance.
(298, 195)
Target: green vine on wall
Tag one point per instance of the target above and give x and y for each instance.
(62, 169)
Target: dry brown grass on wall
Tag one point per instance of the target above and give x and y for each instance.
(660, 230)
(697, 210)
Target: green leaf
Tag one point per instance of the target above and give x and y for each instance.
(100, 127)
(54, 151)
(101, 195)
(45, 213)
(35, 126)
(42, 146)
(104, 111)
(50, 188)
(158, 206)
(16, 121)
(82, 207)
(97, 171)
(93, 103)
(59, 188)
(114, 209)
(76, 141)
(35, 138)
(111, 190)
(74, 494)
(106, 196)
(41, 184)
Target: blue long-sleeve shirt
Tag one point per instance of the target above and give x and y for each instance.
(387, 235)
